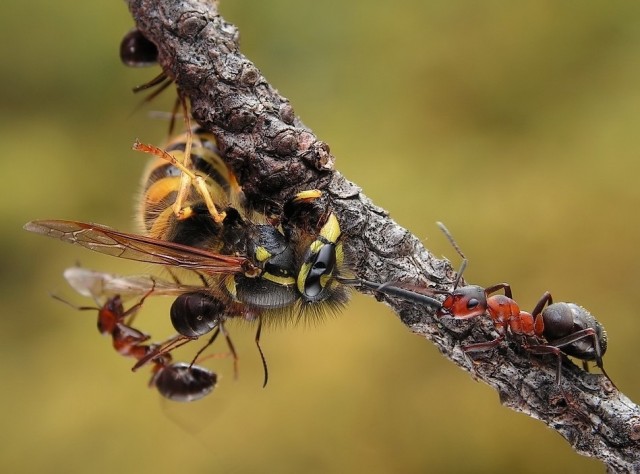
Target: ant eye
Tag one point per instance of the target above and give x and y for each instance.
(472, 303)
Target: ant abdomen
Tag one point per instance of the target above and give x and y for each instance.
(137, 51)
(564, 319)
(558, 320)
(183, 382)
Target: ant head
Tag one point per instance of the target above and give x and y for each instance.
(466, 302)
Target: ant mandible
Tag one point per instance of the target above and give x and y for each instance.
(551, 328)
(176, 381)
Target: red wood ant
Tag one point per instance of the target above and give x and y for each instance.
(175, 381)
(551, 328)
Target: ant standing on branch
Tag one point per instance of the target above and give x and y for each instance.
(551, 328)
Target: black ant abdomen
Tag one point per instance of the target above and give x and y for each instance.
(183, 382)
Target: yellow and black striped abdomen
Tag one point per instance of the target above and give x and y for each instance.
(161, 183)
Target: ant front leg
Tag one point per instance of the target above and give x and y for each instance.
(500, 286)
(483, 346)
(480, 347)
(133, 310)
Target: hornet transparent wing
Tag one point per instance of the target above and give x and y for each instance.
(109, 241)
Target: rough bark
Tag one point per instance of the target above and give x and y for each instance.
(275, 155)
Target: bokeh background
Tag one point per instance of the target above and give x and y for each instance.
(516, 123)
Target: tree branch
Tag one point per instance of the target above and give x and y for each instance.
(275, 156)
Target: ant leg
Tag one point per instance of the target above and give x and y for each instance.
(483, 346)
(162, 83)
(209, 342)
(131, 312)
(163, 349)
(576, 336)
(585, 333)
(479, 347)
(174, 112)
(546, 299)
(500, 286)
(232, 349)
(543, 349)
(159, 79)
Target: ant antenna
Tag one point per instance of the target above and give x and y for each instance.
(446, 232)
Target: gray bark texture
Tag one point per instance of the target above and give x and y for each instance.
(274, 156)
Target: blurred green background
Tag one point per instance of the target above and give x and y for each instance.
(516, 123)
